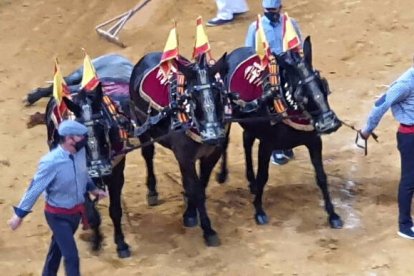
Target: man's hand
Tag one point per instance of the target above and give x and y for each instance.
(365, 135)
(100, 193)
(14, 222)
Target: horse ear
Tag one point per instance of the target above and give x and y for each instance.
(202, 60)
(97, 102)
(307, 51)
(185, 70)
(76, 109)
(221, 66)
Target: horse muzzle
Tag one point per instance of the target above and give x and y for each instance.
(327, 123)
(213, 134)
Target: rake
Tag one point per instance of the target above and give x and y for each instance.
(115, 25)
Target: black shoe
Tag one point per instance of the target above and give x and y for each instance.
(278, 158)
(407, 234)
(289, 153)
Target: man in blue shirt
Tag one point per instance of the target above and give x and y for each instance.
(272, 23)
(63, 177)
(400, 98)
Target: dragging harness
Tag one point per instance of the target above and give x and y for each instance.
(359, 137)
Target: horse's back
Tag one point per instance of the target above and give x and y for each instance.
(113, 66)
(244, 73)
(144, 65)
(237, 56)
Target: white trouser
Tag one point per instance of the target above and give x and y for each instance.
(226, 8)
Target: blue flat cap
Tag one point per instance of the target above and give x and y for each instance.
(271, 4)
(70, 127)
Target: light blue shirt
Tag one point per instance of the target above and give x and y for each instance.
(62, 177)
(400, 97)
(273, 33)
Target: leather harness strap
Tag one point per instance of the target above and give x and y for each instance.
(115, 116)
(274, 81)
(182, 117)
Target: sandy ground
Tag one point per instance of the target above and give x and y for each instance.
(360, 46)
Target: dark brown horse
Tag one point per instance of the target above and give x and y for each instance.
(302, 90)
(205, 94)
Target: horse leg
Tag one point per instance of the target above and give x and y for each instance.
(207, 164)
(115, 208)
(248, 141)
(315, 152)
(73, 81)
(36, 94)
(190, 218)
(152, 195)
(195, 192)
(223, 174)
(265, 151)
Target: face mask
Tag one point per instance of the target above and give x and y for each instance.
(272, 16)
(81, 144)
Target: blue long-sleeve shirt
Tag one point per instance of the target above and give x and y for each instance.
(400, 97)
(273, 33)
(62, 177)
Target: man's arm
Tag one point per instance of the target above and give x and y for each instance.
(43, 177)
(397, 92)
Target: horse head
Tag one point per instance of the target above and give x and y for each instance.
(205, 90)
(88, 108)
(305, 90)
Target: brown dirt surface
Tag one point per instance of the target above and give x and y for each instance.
(360, 46)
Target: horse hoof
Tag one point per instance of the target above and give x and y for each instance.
(261, 219)
(123, 250)
(221, 177)
(25, 101)
(152, 200)
(124, 253)
(190, 221)
(212, 240)
(336, 223)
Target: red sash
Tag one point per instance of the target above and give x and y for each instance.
(406, 128)
(77, 209)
